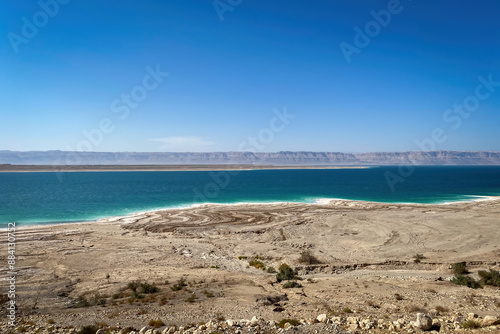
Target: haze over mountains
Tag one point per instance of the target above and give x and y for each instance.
(259, 158)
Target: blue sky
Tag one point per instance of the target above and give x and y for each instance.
(63, 86)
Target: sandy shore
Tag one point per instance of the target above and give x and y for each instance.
(366, 252)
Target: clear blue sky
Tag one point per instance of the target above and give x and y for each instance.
(227, 76)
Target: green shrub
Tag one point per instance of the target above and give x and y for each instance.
(191, 298)
(466, 280)
(470, 324)
(257, 264)
(271, 270)
(491, 277)
(208, 294)
(148, 288)
(138, 288)
(292, 322)
(459, 268)
(242, 257)
(179, 285)
(96, 299)
(81, 301)
(285, 273)
(133, 285)
(308, 258)
(292, 284)
(347, 310)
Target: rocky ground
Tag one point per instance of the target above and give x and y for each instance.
(208, 268)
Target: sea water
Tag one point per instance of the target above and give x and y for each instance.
(46, 197)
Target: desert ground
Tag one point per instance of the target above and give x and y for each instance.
(210, 269)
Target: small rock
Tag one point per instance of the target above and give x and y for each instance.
(471, 316)
(424, 322)
(321, 318)
(100, 331)
(230, 322)
(287, 326)
(254, 322)
(490, 320)
(143, 330)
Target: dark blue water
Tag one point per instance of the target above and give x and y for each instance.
(37, 198)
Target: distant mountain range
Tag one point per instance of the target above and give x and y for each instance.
(260, 158)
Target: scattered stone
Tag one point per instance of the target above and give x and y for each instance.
(471, 316)
(490, 320)
(424, 322)
(321, 318)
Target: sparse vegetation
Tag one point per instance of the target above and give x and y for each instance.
(140, 288)
(308, 258)
(50, 321)
(398, 296)
(156, 323)
(470, 324)
(208, 294)
(242, 257)
(191, 298)
(491, 277)
(271, 270)
(257, 263)
(83, 301)
(285, 273)
(181, 283)
(441, 309)
(148, 288)
(347, 310)
(459, 268)
(292, 322)
(466, 281)
(91, 329)
(292, 284)
(417, 258)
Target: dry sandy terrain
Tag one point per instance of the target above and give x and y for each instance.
(366, 252)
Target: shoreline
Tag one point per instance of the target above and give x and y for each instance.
(161, 168)
(211, 205)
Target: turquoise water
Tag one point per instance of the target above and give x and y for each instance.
(38, 198)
